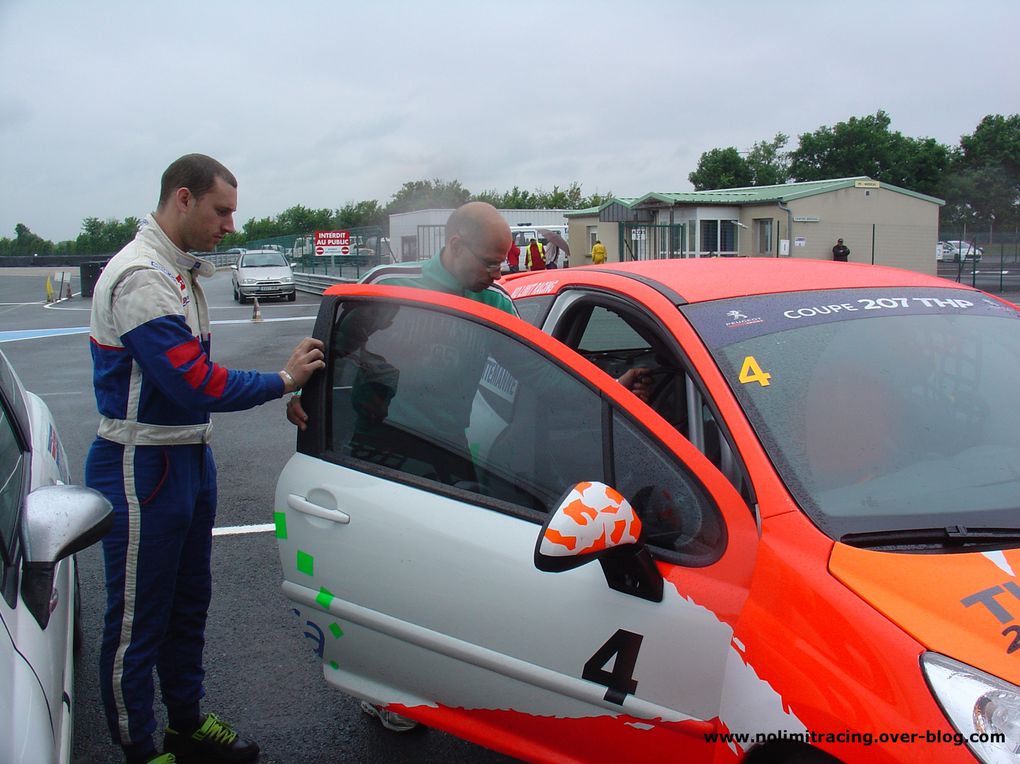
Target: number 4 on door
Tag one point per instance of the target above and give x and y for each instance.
(624, 645)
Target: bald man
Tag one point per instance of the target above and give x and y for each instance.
(477, 241)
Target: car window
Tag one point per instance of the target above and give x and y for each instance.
(882, 409)
(11, 477)
(534, 309)
(605, 331)
(616, 338)
(444, 402)
(460, 404)
(675, 512)
(261, 259)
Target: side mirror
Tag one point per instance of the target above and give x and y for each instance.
(595, 522)
(57, 521)
(233, 267)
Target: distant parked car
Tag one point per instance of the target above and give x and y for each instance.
(43, 522)
(263, 273)
(952, 251)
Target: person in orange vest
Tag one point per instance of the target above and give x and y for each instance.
(536, 257)
(598, 253)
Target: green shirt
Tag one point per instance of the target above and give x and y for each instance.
(431, 274)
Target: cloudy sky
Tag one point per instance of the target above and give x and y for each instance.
(324, 102)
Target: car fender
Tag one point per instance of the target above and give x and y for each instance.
(25, 733)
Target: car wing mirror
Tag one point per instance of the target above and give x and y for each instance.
(594, 521)
(57, 521)
(233, 267)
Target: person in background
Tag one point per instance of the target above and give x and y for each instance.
(841, 252)
(536, 256)
(598, 253)
(513, 257)
(552, 255)
(155, 386)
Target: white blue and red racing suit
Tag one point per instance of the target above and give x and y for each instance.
(155, 386)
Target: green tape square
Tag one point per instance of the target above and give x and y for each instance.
(305, 563)
(280, 518)
(325, 597)
(336, 631)
(334, 665)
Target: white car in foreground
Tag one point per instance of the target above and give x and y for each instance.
(43, 522)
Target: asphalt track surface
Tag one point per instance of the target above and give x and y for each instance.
(261, 672)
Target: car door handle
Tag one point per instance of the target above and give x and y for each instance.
(301, 504)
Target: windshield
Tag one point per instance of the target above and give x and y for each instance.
(882, 409)
(263, 258)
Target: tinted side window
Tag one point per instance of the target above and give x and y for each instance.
(676, 513)
(534, 309)
(11, 477)
(437, 398)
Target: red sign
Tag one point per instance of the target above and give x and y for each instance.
(332, 238)
(320, 251)
(345, 250)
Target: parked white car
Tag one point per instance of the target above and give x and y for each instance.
(262, 273)
(952, 251)
(43, 522)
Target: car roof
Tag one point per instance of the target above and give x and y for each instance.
(718, 278)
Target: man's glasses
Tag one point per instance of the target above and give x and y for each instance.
(490, 267)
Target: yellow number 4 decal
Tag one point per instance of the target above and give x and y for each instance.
(751, 372)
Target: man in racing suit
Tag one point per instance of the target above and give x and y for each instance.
(155, 386)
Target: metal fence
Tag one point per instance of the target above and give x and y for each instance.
(1001, 243)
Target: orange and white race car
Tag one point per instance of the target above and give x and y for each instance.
(802, 548)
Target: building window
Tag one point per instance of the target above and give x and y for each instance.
(718, 236)
(727, 236)
(710, 236)
(764, 236)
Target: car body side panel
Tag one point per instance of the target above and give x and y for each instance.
(838, 663)
(25, 733)
(380, 639)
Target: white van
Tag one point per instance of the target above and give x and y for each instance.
(523, 233)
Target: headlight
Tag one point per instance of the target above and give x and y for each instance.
(249, 282)
(981, 707)
(287, 280)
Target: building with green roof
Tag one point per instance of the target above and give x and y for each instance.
(879, 222)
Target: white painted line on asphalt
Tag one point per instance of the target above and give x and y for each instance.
(58, 301)
(31, 334)
(263, 321)
(236, 530)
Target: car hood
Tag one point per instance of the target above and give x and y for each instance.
(961, 605)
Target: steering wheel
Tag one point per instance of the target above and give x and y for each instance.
(663, 377)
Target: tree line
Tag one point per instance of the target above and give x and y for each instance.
(979, 179)
(102, 237)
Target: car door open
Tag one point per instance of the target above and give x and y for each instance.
(443, 435)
